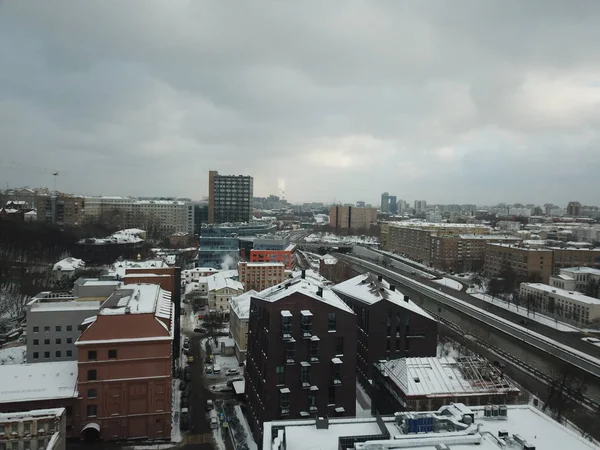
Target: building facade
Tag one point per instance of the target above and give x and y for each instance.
(221, 290)
(125, 366)
(301, 354)
(229, 198)
(41, 429)
(350, 217)
(238, 322)
(259, 276)
(389, 324)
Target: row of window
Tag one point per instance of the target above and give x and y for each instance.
(58, 354)
(285, 404)
(57, 341)
(57, 328)
(8, 428)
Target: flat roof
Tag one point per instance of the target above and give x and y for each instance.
(573, 295)
(39, 381)
(530, 424)
(263, 264)
(240, 305)
(368, 289)
(140, 299)
(518, 247)
(445, 376)
(588, 270)
(34, 413)
(73, 305)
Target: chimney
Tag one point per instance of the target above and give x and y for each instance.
(320, 291)
(379, 277)
(392, 287)
(406, 298)
(322, 423)
(303, 273)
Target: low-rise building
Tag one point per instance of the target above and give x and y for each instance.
(389, 324)
(259, 276)
(41, 386)
(569, 305)
(528, 263)
(125, 366)
(425, 384)
(39, 429)
(67, 267)
(301, 355)
(582, 279)
(221, 290)
(454, 426)
(238, 322)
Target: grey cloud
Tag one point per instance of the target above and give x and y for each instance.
(449, 101)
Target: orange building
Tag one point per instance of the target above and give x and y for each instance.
(283, 256)
(125, 357)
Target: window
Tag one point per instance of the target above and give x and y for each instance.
(92, 393)
(314, 351)
(58, 341)
(284, 401)
(331, 396)
(69, 327)
(331, 322)
(92, 375)
(280, 371)
(337, 374)
(36, 342)
(36, 329)
(92, 355)
(286, 325)
(339, 346)
(388, 345)
(92, 410)
(47, 355)
(58, 328)
(69, 340)
(36, 355)
(305, 375)
(312, 401)
(69, 353)
(46, 329)
(112, 354)
(46, 341)
(58, 354)
(290, 352)
(26, 427)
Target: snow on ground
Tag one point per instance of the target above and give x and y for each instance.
(363, 402)
(449, 283)
(361, 412)
(522, 311)
(448, 349)
(249, 439)
(217, 435)
(13, 355)
(175, 431)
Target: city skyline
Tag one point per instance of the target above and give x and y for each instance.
(476, 102)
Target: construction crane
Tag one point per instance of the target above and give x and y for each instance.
(21, 166)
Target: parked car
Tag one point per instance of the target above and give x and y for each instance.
(200, 330)
(208, 369)
(216, 368)
(209, 405)
(185, 401)
(232, 372)
(190, 360)
(214, 423)
(184, 419)
(182, 386)
(208, 360)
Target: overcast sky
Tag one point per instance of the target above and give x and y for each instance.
(448, 101)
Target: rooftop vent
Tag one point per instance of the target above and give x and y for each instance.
(127, 310)
(406, 298)
(320, 291)
(303, 273)
(322, 423)
(379, 277)
(392, 287)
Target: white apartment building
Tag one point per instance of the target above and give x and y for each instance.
(570, 305)
(221, 290)
(165, 216)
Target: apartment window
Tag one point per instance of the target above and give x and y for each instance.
(312, 401)
(69, 340)
(69, 327)
(36, 355)
(36, 329)
(280, 371)
(331, 395)
(92, 393)
(92, 355)
(46, 341)
(388, 345)
(112, 354)
(92, 375)
(58, 341)
(339, 346)
(46, 329)
(337, 374)
(47, 355)
(286, 324)
(314, 351)
(92, 410)
(331, 322)
(58, 354)
(36, 342)
(284, 401)
(26, 427)
(69, 353)
(305, 375)
(58, 328)
(290, 352)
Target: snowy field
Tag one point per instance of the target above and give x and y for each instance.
(522, 311)
(448, 282)
(13, 355)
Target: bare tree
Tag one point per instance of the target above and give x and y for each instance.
(12, 307)
(565, 391)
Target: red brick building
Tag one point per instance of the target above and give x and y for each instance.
(125, 366)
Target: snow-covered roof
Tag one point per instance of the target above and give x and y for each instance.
(587, 270)
(305, 286)
(329, 260)
(33, 414)
(229, 273)
(218, 282)
(571, 295)
(120, 267)
(139, 299)
(444, 376)
(263, 264)
(70, 305)
(369, 289)
(563, 277)
(39, 381)
(240, 305)
(69, 264)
